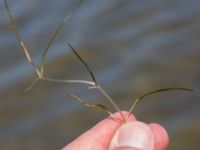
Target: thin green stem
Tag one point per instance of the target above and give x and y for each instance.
(98, 106)
(112, 102)
(58, 29)
(69, 81)
(84, 63)
(154, 92)
(19, 39)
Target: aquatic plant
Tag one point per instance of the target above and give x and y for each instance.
(93, 84)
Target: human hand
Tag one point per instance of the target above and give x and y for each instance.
(113, 134)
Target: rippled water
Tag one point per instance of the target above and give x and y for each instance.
(133, 47)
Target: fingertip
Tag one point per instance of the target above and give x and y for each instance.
(133, 135)
(161, 136)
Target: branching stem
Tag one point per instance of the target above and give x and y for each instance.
(69, 81)
(92, 84)
(112, 102)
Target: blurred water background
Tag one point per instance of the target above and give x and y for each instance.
(133, 46)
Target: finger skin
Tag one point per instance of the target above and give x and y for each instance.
(99, 136)
(126, 148)
(161, 136)
(135, 134)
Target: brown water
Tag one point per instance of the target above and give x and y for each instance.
(133, 47)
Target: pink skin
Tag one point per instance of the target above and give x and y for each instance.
(100, 135)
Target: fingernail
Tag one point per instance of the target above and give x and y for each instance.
(133, 134)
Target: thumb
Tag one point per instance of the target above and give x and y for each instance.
(133, 136)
